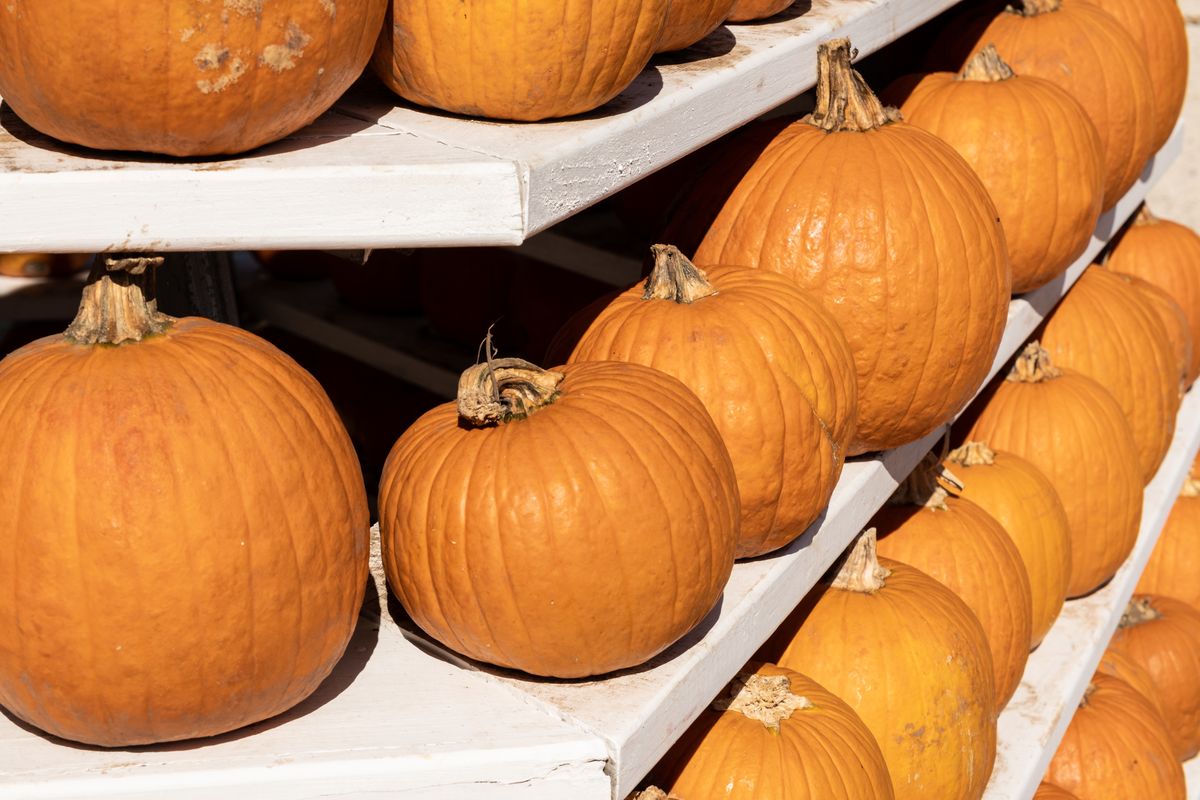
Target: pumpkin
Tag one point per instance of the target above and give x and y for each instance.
(184, 78)
(1159, 29)
(149, 612)
(1175, 561)
(1115, 337)
(1162, 635)
(748, 10)
(922, 306)
(1174, 321)
(911, 660)
(1119, 665)
(1074, 432)
(1017, 495)
(961, 546)
(1033, 147)
(41, 265)
(689, 21)
(1168, 255)
(770, 365)
(510, 518)
(1116, 748)
(773, 734)
(1048, 791)
(525, 61)
(1085, 51)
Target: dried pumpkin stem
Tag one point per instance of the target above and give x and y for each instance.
(1190, 488)
(765, 698)
(118, 303)
(1031, 8)
(1144, 217)
(860, 570)
(652, 793)
(1087, 695)
(675, 277)
(1033, 366)
(844, 101)
(505, 389)
(926, 485)
(972, 454)
(1140, 610)
(986, 66)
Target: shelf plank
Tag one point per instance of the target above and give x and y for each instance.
(1191, 770)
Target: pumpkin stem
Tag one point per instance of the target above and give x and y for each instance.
(844, 101)
(1191, 488)
(118, 303)
(1144, 217)
(1033, 366)
(925, 485)
(986, 66)
(1031, 8)
(504, 389)
(675, 278)
(653, 793)
(972, 454)
(860, 570)
(765, 698)
(1140, 610)
(1087, 694)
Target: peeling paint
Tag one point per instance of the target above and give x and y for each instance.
(280, 57)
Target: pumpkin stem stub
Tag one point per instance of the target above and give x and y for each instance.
(1031, 8)
(926, 485)
(986, 66)
(972, 454)
(765, 698)
(844, 101)
(675, 277)
(118, 303)
(1144, 217)
(860, 570)
(504, 389)
(652, 793)
(1140, 610)
(1190, 488)
(1033, 366)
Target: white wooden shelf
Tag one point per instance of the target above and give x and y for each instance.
(1191, 770)
(370, 174)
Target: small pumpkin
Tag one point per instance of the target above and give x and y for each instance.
(509, 517)
(1017, 495)
(911, 659)
(770, 365)
(1168, 255)
(1120, 665)
(829, 204)
(1175, 560)
(1114, 336)
(749, 10)
(525, 61)
(1116, 748)
(1033, 147)
(1162, 634)
(1048, 791)
(1074, 432)
(689, 21)
(1174, 322)
(773, 734)
(41, 265)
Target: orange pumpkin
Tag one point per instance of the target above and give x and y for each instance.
(1116, 748)
(41, 265)
(1048, 791)
(1081, 48)
(748, 10)
(1175, 561)
(770, 365)
(1174, 321)
(911, 660)
(689, 21)
(1168, 255)
(182, 78)
(148, 611)
(1074, 432)
(776, 734)
(508, 518)
(1162, 635)
(525, 61)
(1017, 495)
(1033, 147)
(1119, 665)
(1115, 337)
(896, 288)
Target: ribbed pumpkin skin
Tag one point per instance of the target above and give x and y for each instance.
(1017, 495)
(1168, 255)
(1048, 791)
(1116, 749)
(820, 753)
(1175, 562)
(968, 552)
(1119, 665)
(145, 610)
(617, 502)
(1037, 153)
(1168, 648)
(181, 77)
(747, 10)
(519, 61)
(1174, 321)
(923, 313)
(912, 661)
(1159, 29)
(1115, 337)
(1083, 50)
(1075, 433)
(689, 21)
(774, 371)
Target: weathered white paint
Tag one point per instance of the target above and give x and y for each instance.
(1191, 770)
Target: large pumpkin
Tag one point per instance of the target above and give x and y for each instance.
(542, 502)
(776, 734)
(1048, 791)
(185, 540)
(1162, 634)
(689, 21)
(1116, 748)
(1174, 321)
(961, 546)
(1033, 147)
(747, 10)
(1081, 48)
(1175, 561)
(1017, 495)
(521, 61)
(184, 77)
(770, 365)
(912, 661)
(1120, 665)
(1159, 29)
(923, 306)
(1074, 432)
(1114, 336)
(1168, 255)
